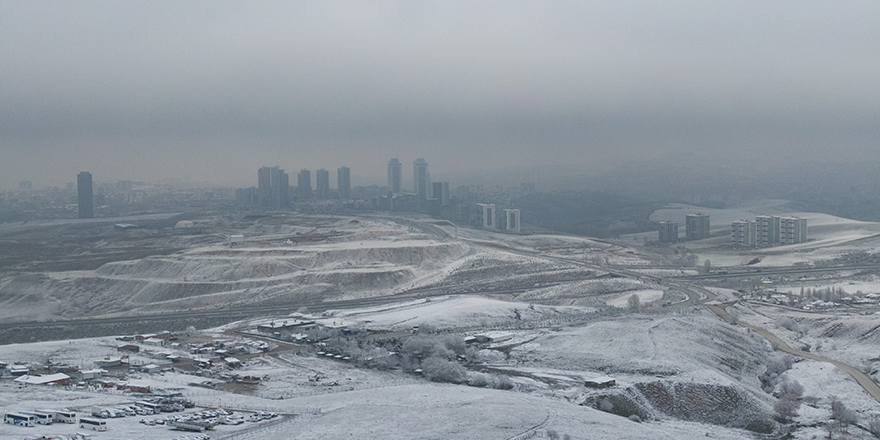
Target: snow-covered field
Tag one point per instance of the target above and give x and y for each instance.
(682, 373)
(645, 296)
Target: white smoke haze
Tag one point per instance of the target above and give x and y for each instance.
(213, 90)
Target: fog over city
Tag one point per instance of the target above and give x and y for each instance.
(500, 220)
(211, 91)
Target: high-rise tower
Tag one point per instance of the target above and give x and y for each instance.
(304, 184)
(420, 181)
(696, 226)
(322, 179)
(343, 182)
(394, 176)
(273, 187)
(85, 196)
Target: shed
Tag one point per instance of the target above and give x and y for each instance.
(92, 374)
(151, 368)
(129, 348)
(493, 337)
(45, 379)
(600, 382)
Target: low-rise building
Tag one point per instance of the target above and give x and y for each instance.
(44, 379)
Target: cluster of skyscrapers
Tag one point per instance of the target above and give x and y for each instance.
(274, 191)
(696, 228)
(768, 230)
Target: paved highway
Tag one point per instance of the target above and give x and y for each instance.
(861, 378)
(761, 272)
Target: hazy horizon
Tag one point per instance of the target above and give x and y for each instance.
(211, 91)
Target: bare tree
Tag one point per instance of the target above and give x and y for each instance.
(633, 302)
(787, 407)
(842, 414)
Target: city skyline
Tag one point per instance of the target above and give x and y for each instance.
(573, 88)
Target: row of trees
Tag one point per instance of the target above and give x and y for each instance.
(439, 357)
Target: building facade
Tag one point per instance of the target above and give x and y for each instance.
(273, 187)
(343, 182)
(744, 233)
(441, 192)
(696, 226)
(792, 230)
(394, 176)
(668, 232)
(85, 195)
(512, 219)
(488, 215)
(767, 230)
(304, 184)
(421, 181)
(322, 181)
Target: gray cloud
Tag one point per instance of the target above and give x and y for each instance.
(122, 87)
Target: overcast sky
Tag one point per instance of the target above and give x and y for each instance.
(210, 91)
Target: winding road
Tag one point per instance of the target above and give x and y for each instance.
(861, 378)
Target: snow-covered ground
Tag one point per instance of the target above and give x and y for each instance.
(447, 313)
(829, 236)
(645, 296)
(668, 367)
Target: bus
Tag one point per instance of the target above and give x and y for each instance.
(46, 414)
(65, 416)
(42, 418)
(155, 407)
(20, 419)
(93, 424)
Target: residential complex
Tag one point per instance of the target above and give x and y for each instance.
(770, 230)
(668, 232)
(696, 226)
(744, 233)
(273, 187)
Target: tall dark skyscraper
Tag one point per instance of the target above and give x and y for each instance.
(394, 176)
(343, 182)
(273, 188)
(304, 184)
(85, 195)
(420, 180)
(264, 186)
(322, 180)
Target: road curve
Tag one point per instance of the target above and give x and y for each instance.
(861, 378)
